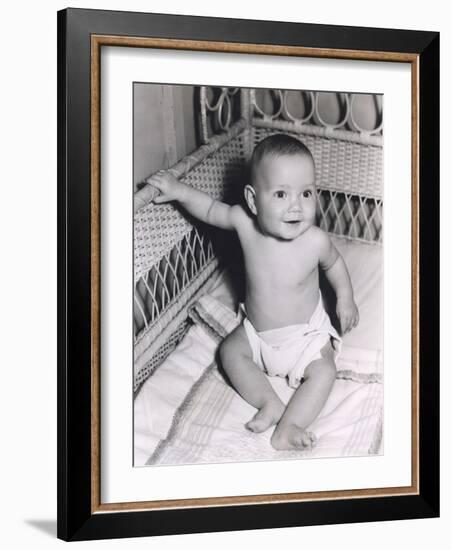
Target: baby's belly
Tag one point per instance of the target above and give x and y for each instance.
(271, 308)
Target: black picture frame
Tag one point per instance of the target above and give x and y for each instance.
(78, 514)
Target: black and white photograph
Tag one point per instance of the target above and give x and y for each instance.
(258, 299)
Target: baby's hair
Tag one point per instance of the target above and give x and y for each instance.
(277, 145)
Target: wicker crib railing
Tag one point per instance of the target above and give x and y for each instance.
(174, 256)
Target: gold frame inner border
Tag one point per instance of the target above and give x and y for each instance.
(97, 41)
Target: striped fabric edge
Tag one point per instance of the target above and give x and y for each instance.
(376, 444)
(177, 418)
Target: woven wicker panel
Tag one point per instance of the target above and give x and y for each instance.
(174, 255)
(341, 165)
(154, 337)
(166, 281)
(159, 227)
(355, 217)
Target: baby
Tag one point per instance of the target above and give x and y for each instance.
(285, 330)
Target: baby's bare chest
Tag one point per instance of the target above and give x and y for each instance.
(287, 263)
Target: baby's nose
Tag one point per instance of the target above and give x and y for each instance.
(296, 203)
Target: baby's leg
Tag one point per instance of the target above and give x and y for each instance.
(250, 381)
(306, 403)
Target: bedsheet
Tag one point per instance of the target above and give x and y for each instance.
(186, 413)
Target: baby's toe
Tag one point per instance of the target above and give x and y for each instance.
(253, 426)
(260, 423)
(299, 439)
(305, 440)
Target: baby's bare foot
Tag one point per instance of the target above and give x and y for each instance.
(292, 438)
(266, 417)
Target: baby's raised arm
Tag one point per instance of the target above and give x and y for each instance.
(197, 203)
(337, 273)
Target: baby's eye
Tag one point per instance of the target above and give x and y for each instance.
(280, 194)
(307, 194)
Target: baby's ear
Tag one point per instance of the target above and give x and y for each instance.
(249, 195)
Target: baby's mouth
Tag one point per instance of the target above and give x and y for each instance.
(293, 218)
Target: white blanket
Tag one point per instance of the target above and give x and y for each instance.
(186, 412)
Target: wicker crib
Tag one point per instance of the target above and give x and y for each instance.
(175, 257)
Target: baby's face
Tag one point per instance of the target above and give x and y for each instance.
(285, 195)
